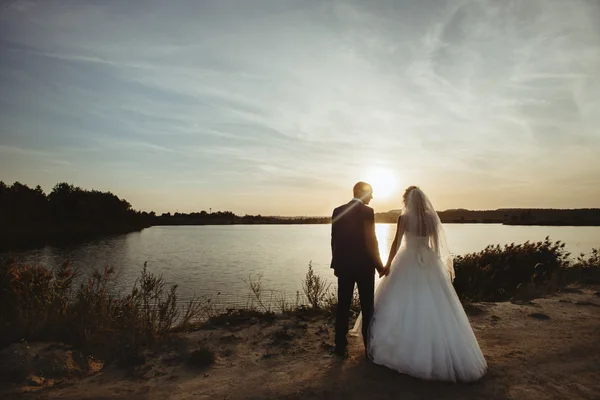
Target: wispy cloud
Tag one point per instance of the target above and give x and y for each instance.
(288, 102)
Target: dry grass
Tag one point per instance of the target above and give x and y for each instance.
(39, 304)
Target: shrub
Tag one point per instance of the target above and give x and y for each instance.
(315, 288)
(586, 269)
(33, 299)
(503, 273)
(257, 292)
(39, 304)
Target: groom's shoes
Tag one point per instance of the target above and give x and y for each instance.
(340, 352)
(343, 353)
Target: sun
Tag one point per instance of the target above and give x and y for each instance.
(384, 182)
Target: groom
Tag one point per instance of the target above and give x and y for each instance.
(355, 257)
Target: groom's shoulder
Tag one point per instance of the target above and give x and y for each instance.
(356, 207)
(368, 210)
(344, 207)
(338, 209)
(341, 208)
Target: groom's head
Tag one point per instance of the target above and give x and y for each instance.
(363, 191)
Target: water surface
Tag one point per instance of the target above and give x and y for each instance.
(219, 259)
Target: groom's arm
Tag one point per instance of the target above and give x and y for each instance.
(397, 241)
(334, 236)
(372, 244)
(333, 229)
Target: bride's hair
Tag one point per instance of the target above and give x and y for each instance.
(417, 215)
(407, 193)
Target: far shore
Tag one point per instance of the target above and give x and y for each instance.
(284, 222)
(70, 214)
(517, 216)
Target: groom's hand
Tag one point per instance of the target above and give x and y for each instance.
(384, 271)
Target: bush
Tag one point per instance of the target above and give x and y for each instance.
(586, 269)
(315, 288)
(513, 271)
(33, 299)
(39, 304)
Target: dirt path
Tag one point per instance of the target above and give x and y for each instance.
(547, 349)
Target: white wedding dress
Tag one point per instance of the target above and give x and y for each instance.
(419, 326)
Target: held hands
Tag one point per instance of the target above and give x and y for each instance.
(384, 271)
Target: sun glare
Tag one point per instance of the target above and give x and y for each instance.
(384, 182)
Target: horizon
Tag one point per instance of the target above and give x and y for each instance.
(397, 210)
(279, 108)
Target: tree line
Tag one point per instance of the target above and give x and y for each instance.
(511, 216)
(229, 218)
(30, 216)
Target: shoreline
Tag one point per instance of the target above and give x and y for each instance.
(528, 304)
(544, 348)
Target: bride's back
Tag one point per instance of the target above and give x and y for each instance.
(422, 225)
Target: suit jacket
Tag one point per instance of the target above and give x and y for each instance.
(354, 245)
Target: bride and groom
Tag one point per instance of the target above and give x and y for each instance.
(414, 322)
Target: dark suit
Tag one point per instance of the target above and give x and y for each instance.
(355, 257)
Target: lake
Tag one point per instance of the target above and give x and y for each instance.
(207, 260)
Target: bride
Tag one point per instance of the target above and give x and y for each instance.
(419, 326)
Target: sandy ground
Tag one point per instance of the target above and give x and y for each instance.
(546, 349)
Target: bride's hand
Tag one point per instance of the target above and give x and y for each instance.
(385, 271)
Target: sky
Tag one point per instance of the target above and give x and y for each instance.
(279, 107)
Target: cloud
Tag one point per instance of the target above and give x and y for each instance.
(297, 96)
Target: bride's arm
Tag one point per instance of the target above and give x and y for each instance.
(397, 241)
(435, 237)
